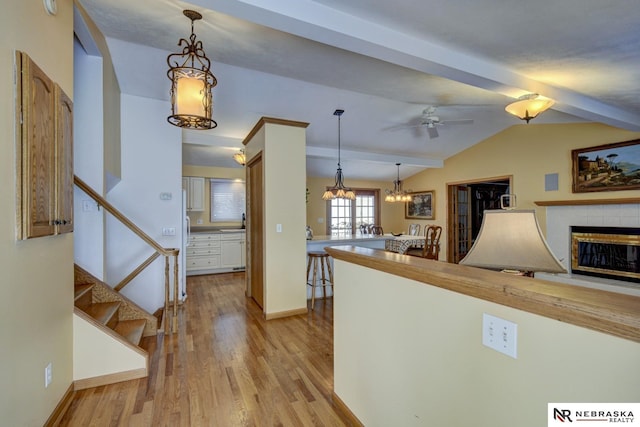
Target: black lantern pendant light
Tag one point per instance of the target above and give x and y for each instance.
(339, 191)
(191, 83)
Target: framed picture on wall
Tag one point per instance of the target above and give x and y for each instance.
(421, 206)
(610, 167)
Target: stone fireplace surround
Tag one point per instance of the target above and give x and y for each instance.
(561, 217)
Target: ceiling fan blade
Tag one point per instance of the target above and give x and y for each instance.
(433, 132)
(457, 122)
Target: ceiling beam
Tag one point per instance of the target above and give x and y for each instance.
(323, 24)
(367, 156)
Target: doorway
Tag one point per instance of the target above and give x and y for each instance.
(255, 230)
(467, 203)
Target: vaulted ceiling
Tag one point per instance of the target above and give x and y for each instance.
(384, 63)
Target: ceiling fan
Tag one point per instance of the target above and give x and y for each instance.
(430, 121)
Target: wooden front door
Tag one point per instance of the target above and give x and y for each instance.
(255, 230)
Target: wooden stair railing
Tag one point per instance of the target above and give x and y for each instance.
(168, 253)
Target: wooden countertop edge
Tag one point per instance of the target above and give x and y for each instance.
(603, 311)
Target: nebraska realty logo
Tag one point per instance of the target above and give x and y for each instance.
(596, 414)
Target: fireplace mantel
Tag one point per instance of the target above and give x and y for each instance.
(583, 202)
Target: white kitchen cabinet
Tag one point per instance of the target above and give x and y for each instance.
(215, 252)
(232, 245)
(203, 253)
(194, 185)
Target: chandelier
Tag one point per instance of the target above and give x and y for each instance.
(398, 194)
(339, 191)
(191, 83)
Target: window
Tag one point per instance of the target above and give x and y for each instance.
(346, 216)
(227, 200)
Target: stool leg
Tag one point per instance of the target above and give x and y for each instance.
(324, 280)
(330, 274)
(313, 283)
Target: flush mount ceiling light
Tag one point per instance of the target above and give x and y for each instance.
(191, 83)
(398, 194)
(529, 106)
(240, 157)
(339, 191)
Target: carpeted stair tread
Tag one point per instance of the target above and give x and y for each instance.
(131, 330)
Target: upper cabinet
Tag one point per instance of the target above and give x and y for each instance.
(194, 185)
(44, 153)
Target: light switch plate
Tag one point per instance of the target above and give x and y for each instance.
(500, 335)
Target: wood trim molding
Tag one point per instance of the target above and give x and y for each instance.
(117, 377)
(603, 311)
(61, 408)
(342, 407)
(584, 202)
(264, 120)
(287, 313)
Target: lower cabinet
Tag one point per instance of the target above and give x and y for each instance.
(218, 252)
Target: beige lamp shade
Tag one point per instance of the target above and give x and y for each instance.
(512, 240)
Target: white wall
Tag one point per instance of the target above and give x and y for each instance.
(284, 269)
(151, 164)
(88, 160)
(411, 354)
(37, 275)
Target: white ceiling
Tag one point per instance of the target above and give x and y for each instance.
(383, 63)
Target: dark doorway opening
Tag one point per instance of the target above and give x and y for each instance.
(467, 203)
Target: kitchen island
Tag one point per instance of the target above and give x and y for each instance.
(318, 243)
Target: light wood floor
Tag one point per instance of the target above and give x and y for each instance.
(226, 367)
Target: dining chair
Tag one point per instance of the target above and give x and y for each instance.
(414, 230)
(431, 248)
(376, 230)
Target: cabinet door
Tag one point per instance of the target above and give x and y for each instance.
(231, 253)
(36, 150)
(196, 190)
(64, 164)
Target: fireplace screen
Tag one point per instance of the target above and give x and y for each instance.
(611, 252)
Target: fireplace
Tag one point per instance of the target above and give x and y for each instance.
(611, 252)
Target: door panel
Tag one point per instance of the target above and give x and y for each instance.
(255, 230)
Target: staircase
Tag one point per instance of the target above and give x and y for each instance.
(113, 330)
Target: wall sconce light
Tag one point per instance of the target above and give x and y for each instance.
(240, 157)
(191, 83)
(529, 106)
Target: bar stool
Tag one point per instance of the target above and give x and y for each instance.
(319, 260)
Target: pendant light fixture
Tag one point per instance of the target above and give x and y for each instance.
(398, 194)
(240, 157)
(529, 106)
(191, 83)
(339, 191)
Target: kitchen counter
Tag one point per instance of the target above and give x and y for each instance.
(341, 239)
(216, 230)
(318, 243)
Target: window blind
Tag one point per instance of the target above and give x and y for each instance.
(227, 200)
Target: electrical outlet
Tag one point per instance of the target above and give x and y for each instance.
(48, 375)
(500, 335)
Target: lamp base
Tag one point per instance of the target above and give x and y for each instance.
(518, 272)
